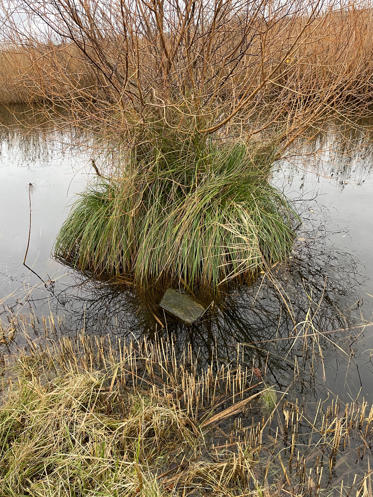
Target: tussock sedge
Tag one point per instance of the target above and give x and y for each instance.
(199, 218)
(95, 416)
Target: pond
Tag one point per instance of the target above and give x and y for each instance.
(309, 321)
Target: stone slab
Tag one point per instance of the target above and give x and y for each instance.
(181, 306)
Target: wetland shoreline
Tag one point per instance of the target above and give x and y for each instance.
(206, 122)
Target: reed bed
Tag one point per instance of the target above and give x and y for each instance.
(26, 73)
(94, 416)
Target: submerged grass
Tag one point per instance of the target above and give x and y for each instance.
(197, 219)
(94, 416)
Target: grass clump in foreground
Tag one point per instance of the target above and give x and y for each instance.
(93, 417)
(198, 218)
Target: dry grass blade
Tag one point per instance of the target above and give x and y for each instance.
(96, 416)
(231, 410)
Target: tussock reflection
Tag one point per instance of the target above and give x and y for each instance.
(281, 326)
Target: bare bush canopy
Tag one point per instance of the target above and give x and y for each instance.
(196, 66)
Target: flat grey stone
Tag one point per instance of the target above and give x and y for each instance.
(181, 305)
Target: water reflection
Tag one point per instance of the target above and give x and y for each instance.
(38, 153)
(339, 153)
(281, 327)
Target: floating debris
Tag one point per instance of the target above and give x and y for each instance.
(181, 306)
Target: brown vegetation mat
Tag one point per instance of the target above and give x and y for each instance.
(92, 416)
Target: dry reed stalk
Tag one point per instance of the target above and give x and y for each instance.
(98, 401)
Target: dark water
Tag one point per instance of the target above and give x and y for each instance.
(326, 286)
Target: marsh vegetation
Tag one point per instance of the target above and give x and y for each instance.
(91, 416)
(191, 93)
(187, 106)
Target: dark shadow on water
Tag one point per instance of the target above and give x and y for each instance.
(283, 326)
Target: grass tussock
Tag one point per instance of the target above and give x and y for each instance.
(198, 220)
(95, 417)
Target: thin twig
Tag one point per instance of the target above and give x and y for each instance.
(29, 237)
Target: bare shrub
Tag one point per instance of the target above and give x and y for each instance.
(196, 67)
